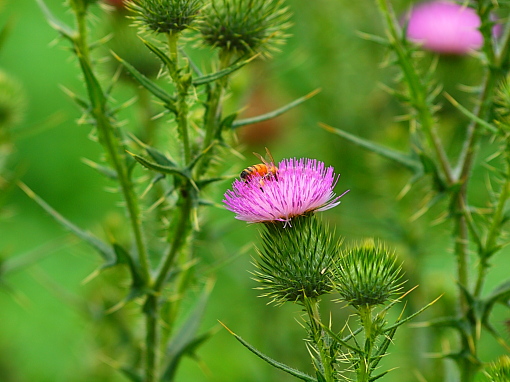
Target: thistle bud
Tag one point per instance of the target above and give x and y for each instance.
(241, 27)
(296, 261)
(499, 371)
(368, 275)
(165, 16)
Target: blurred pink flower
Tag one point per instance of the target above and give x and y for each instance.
(301, 186)
(445, 27)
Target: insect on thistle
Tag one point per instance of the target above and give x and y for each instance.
(265, 169)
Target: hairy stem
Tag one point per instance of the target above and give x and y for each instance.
(320, 339)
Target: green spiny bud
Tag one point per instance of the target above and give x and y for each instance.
(243, 27)
(367, 275)
(296, 261)
(499, 371)
(165, 16)
(502, 102)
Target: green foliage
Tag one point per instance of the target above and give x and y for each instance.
(245, 27)
(165, 16)
(296, 261)
(368, 274)
(12, 103)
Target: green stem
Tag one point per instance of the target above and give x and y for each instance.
(320, 339)
(112, 144)
(152, 305)
(364, 370)
(182, 94)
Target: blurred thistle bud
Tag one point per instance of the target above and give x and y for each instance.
(12, 103)
(445, 27)
(499, 371)
(245, 27)
(367, 275)
(165, 16)
(296, 262)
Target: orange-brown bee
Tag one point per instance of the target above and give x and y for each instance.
(265, 169)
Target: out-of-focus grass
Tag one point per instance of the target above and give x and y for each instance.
(44, 334)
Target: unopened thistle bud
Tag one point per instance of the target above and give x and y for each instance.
(242, 27)
(165, 16)
(296, 262)
(499, 371)
(368, 275)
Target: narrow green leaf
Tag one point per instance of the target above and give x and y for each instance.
(96, 95)
(470, 115)
(185, 340)
(138, 283)
(222, 73)
(500, 293)
(400, 322)
(161, 55)
(274, 113)
(81, 102)
(296, 373)
(378, 376)
(160, 168)
(374, 38)
(386, 152)
(157, 91)
(102, 248)
(103, 170)
(55, 23)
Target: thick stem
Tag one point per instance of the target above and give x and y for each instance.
(320, 339)
(363, 372)
(111, 143)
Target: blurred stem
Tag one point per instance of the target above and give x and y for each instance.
(320, 339)
(212, 117)
(152, 305)
(110, 139)
(363, 372)
(182, 85)
(417, 89)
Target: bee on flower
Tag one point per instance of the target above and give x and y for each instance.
(293, 188)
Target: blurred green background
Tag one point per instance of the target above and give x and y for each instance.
(51, 328)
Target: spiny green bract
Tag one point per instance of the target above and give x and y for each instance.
(165, 16)
(367, 275)
(296, 261)
(499, 371)
(245, 27)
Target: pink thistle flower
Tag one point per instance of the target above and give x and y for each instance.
(445, 27)
(300, 187)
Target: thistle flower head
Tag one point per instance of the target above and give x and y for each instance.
(445, 27)
(165, 16)
(245, 27)
(367, 275)
(301, 186)
(296, 262)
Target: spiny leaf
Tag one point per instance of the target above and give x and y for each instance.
(103, 170)
(55, 23)
(186, 340)
(222, 73)
(157, 91)
(102, 248)
(138, 283)
(160, 168)
(274, 113)
(161, 55)
(403, 321)
(81, 102)
(386, 152)
(296, 373)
